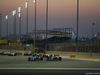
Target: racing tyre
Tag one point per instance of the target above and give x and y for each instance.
(41, 59)
(29, 59)
(55, 59)
(43, 55)
(47, 58)
(60, 58)
(15, 54)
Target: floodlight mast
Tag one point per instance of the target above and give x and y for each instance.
(26, 6)
(46, 45)
(6, 17)
(0, 24)
(77, 27)
(34, 28)
(14, 14)
(77, 36)
(19, 15)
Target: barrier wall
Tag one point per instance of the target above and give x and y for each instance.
(78, 54)
(72, 47)
(16, 47)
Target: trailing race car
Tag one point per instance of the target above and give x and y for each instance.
(27, 54)
(1, 53)
(12, 54)
(54, 58)
(6, 53)
(35, 58)
(46, 55)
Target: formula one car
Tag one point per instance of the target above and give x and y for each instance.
(6, 53)
(1, 53)
(27, 54)
(12, 54)
(54, 58)
(35, 58)
(46, 55)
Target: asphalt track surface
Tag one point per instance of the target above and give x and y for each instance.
(47, 72)
(19, 65)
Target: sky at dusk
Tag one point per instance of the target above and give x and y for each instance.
(62, 14)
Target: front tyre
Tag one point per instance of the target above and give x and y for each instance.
(29, 59)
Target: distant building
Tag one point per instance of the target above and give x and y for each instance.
(57, 32)
(53, 35)
(68, 32)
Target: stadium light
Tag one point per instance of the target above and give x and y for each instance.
(34, 27)
(6, 17)
(19, 9)
(19, 15)
(34, 1)
(14, 14)
(26, 4)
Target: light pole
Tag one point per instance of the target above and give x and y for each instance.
(14, 14)
(77, 25)
(35, 26)
(92, 37)
(0, 24)
(19, 15)
(46, 46)
(77, 20)
(7, 26)
(93, 24)
(26, 6)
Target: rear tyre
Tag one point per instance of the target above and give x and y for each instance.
(47, 58)
(41, 58)
(60, 58)
(29, 59)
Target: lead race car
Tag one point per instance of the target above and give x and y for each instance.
(54, 58)
(35, 57)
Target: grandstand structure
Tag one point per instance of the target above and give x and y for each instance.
(55, 35)
(56, 32)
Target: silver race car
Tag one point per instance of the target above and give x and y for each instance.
(35, 58)
(54, 58)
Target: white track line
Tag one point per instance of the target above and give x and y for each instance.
(55, 68)
(84, 59)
